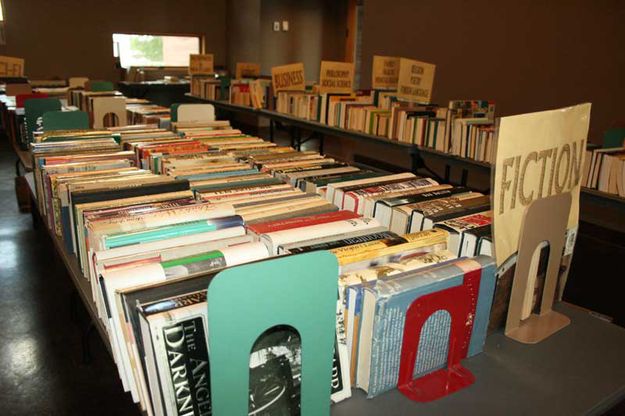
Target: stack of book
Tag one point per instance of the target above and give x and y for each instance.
(604, 170)
(470, 128)
(205, 86)
(299, 104)
(240, 93)
(465, 128)
(84, 99)
(152, 215)
(256, 93)
(145, 113)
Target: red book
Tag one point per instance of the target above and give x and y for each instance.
(20, 98)
(286, 224)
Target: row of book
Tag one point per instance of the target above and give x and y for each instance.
(464, 128)
(256, 93)
(140, 111)
(205, 86)
(152, 215)
(83, 99)
(604, 170)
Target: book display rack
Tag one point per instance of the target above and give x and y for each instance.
(507, 372)
(389, 256)
(599, 208)
(320, 131)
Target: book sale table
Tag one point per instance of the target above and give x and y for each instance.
(579, 370)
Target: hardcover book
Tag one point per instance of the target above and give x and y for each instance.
(384, 315)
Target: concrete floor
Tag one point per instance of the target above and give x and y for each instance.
(41, 364)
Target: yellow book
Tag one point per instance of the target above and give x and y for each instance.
(372, 249)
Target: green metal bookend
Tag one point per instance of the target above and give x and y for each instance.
(173, 112)
(245, 301)
(65, 120)
(99, 86)
(35, 108)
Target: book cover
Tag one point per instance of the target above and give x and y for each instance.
(458, 228)
(329, 245)
(272, 226)
(354, 200)
(275, 239)
(384, 314)
(439, 210)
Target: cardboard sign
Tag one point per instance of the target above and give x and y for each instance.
(336, 77)
(109, 112)
(201, 64)
(385, 72)
(288, 77)
(11, 67)
(415, 80)
(538, 155)
(247, 70)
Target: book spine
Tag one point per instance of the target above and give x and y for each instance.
(173, 303)
(273, 226)
(344, 242)
(200, 263)
(486, 294)
(371, 245)
(273, 240)
(171, 231)
(358, 252)
(389, 320)
(188, 367)
(160, 218)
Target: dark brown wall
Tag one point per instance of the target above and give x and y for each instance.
(243, 26)
(66, 38)
(316, 32)
(527, 55)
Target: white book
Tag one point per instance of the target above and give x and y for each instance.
(270, 206)
(232, 256)
(111, 282)
(275, 239)
(400, 219)
(96, 257)
(175, 252)
(295, 176)
(355, 200)
(217, 196)
(378, 202)
(334, 191)
(284, 249)
(166, 329)
(195, 212)
(259, 196)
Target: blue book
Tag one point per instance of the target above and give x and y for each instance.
(384, 311)
(171, 231)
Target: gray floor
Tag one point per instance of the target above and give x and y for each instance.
(42, 371)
